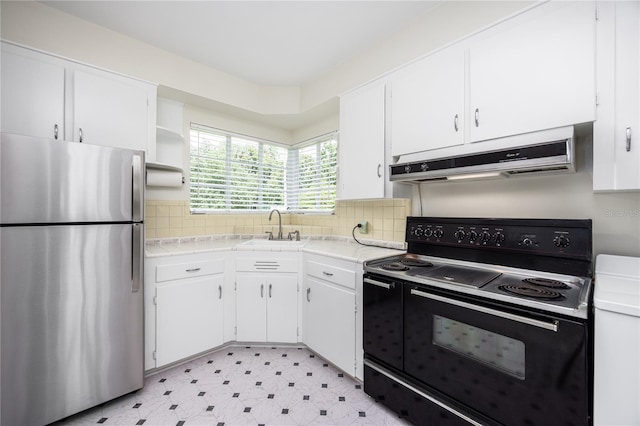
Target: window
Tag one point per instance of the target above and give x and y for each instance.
(238, 173)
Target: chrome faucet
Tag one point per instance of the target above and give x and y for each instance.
(279, 222)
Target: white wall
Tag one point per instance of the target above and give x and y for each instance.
(616, 216)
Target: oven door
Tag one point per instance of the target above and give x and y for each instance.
(511, 366)
(382, 319)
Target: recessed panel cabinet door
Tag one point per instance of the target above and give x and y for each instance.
(427, 103)
(251, 308)
(189, 317)
(533, 72)
(32, 97)
(282, 308)
(109, 111)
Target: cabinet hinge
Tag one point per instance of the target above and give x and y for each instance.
(154, 355)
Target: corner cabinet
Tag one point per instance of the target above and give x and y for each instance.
(329, 303)
(616, 133)
(46, 96)
(361, 152)
(184, 307)
(267, 297)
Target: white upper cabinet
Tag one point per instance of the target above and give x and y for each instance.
(47, 96)
(616, 133)
(110, 110)
(533, 72)
(32, 96)
(361, 153)
(427, 103)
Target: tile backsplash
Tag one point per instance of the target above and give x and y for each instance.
(386, 220)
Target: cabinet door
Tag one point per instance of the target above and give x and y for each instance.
(32, 97)
(361, 150)
(109, 110)
(427, 103)
(330, 323)
(282, 308)
(251, 308)
(533, 72)
(188, 318)
(627, 109)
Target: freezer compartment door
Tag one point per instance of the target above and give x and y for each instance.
(72, 319)
(49, 181)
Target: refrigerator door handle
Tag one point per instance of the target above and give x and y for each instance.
(138, 187)
(136, 257)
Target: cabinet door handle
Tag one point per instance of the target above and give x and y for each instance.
(270, 286)
(477, 117)
(80, 134)
(455, 122)
(262, 291)
(328, 274)
(378, 171)
(628, 131)
(308, 295)
(219, 292)
(55, 132)
(192, 270)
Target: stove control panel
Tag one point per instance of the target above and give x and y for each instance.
(556, 237)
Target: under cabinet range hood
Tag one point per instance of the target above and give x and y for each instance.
(551, 156)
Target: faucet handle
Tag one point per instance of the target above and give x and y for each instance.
(270, 234)
(296, 233)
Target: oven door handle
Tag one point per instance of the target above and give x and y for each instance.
(553, 326)
(378, 283)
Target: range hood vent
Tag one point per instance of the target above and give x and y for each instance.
(549, 157)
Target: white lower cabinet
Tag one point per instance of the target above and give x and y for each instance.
(184, 306)
(330, 310)
(267, 307)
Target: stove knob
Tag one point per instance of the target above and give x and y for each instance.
(438, 233)
(527, 242)
(561, 241)
(460, 234)
(499, 237)
(424, 167)
(473, 235)
(485, 237)
(418, 232)
(428, 232)
(407, 169)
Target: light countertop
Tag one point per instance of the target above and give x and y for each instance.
(337, 247)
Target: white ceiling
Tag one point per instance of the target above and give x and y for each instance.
(269, 43)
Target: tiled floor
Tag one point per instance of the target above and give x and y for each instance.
(245, 386)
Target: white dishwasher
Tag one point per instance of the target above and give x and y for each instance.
(617, 341)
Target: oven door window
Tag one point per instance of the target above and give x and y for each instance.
(493, 349)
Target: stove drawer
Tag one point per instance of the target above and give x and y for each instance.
(382, 320)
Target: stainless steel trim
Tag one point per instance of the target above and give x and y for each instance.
(308, 295)
(220, 292)
(328, 274)
(137, 194)
(378, 283)
(137, 254)
(390, 376)
(628, 133)
(192, 269)
(477, 117)
(529, 321)
(55, 131)
(455, 122)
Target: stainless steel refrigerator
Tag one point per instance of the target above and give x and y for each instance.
(72, 244)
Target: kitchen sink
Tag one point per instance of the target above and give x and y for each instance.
(271, 244)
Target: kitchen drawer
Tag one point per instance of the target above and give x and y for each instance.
(331, 273)
(266, 264)
(178, 271)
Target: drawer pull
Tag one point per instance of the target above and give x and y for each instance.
(192, 270)
(308, 295)
(262, 291)
(378, 283)
(628, 134)
(270, 287)
(328, 274)
(219, 292)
